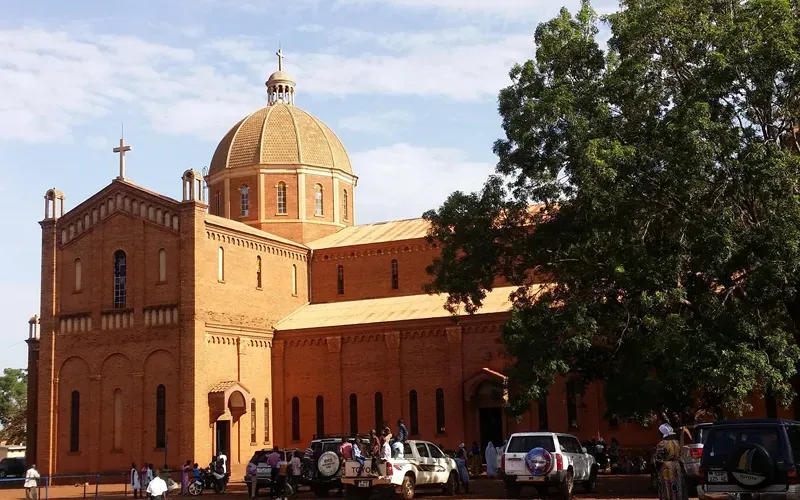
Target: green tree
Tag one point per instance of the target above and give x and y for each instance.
(667, 168)
(13, 404)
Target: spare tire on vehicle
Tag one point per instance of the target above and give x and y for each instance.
(539, 461)
(751, 467)
(328, 464)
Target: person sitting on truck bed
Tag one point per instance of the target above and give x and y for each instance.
(358, 456)
(346, 449)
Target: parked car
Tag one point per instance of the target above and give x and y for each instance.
(263, 469)
(544, 460)
(12, 467)
(423, 465)
(323, 469)
(751, 458)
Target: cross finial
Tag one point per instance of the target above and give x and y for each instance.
(121, 150)
(280, 58)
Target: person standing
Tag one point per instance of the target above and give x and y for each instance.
(32, 483)
(157, 489)
(669, 473)
(222, 460)
(296, 466)
(274, 462)
(136, 484)
(491, 460)
(185, 472)
(461, 461)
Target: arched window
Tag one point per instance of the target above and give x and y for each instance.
(440, 424)
(395, 275)
(413, 413)
(295, 419)
(253, 422)
(117, 419)
(221, 264)
(544, 423)
(120, 274)
(162, 265)
(78, 277)
(245, 191)
(75, 422)
(320, 416)
(572, 405)
(218, 202)
(379, 423)
(258, 273)
(294, 279)
(340, 281)
(344, 204)
(353, 414)
(161, 416)
(281, 197)
(318, 200)
(266, 421)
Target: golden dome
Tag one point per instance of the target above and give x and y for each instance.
(280, 135)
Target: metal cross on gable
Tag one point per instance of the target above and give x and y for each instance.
(121, 150)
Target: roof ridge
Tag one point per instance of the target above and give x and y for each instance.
(296, 134)
(233, 139)
(261, 137)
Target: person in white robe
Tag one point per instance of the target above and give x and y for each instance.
(491, 460)
(136, 485)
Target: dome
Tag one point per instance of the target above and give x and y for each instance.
(279, 135)
(279, 76)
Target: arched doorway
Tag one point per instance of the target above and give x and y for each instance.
(227, 403)
(484, 395)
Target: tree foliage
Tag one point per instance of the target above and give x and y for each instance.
(669, 232)
(13, 405)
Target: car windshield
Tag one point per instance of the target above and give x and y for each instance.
(722, 441)
(524, 444)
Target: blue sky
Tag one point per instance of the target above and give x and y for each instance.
(409, 86)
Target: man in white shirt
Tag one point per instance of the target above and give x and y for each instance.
(157, 489)
(31, 483)
(222, 459)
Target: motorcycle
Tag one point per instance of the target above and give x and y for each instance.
(209, 480)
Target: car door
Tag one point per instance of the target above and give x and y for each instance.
(571, 448)
(442, 471)
(426, 464)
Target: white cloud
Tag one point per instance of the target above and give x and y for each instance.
(376, 123)
(403, 181)
(508, 10)
(96, 142)
(53, 81)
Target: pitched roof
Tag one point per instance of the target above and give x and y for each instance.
(384, 310)
(244, 228)
(378, 232)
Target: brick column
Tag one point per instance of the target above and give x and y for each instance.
(33, 384)
(137, 420)
(454, 392)
(393, 401)
(334, 412)
(47, 395)
(279, 402)
(95, 390)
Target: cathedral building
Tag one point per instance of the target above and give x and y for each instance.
(255, 312)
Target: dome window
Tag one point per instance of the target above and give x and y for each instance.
(245, 191)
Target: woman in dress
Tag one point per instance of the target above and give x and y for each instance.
(461, 461)
(669, 473)
(491, 460)
(185, 473)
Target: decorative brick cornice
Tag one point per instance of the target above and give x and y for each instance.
(254, 244)
(324, 255)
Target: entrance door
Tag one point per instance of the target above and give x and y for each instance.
(491, 422)
(224, 438)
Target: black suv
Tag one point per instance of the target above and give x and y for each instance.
(12, 467)
(751, 459)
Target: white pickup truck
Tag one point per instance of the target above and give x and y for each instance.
(423, 465)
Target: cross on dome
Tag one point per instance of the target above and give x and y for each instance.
(280, 86)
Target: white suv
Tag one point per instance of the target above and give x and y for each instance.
(544, 460)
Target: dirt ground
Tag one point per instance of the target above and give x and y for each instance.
(608, 488)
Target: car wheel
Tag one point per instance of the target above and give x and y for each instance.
(512, 490)
(565, 488)
(451, 486)
(591, 485)
(407, 488)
